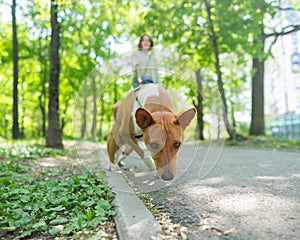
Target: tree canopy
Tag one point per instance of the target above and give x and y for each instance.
(93, 33)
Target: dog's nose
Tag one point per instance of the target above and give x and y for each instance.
(167, 176)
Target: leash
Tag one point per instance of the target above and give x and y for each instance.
(136, 96)
(139, 103)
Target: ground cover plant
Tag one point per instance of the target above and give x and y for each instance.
(39, 204)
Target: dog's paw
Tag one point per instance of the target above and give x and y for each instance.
(114, 168)
(121, 163)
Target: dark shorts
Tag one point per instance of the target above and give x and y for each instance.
(145, 80)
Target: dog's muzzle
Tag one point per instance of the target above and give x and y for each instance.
(167, 176)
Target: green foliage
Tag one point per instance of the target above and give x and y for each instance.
(35, 150)
(51, 207)
(266, 142)
(90, 34)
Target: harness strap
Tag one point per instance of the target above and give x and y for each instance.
(136, 96)
(139, 103)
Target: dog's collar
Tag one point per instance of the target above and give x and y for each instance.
(139, 136)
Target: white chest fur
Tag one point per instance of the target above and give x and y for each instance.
(142, 96)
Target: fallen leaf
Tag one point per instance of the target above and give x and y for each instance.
(229, 231)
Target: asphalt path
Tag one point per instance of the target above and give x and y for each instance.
(227, 192)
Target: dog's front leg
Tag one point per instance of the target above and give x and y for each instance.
(131, 141)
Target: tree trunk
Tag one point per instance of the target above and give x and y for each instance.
(42, 102)
(257, 126)
(229, 128)
(93, 130)
(22, 110)
(15, 132)
(232, 113)
(43, 111)
(199, 106)
(64, 113)
(54, 133)
(83, 125)
(42, 96)
(101, 119)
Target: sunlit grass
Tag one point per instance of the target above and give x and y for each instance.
(30, 149)
(266, 142)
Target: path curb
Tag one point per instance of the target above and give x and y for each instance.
(133, 220)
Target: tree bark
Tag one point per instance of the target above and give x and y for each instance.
(22, 110)
(64, 113)
(15, 130)
(93, 130)
(229, 128)
(257, 126)
(43, 111)
(232, 110)
(54, 132)
(83, 125)
(42, 96)
(199, 106)
(101, 119)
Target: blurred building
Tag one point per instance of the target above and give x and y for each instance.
(282, 79)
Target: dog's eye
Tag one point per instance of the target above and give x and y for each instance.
(176, 144)
(154, 145)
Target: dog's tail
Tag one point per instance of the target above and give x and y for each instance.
(115, 109)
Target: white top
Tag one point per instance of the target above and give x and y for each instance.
(145, 64)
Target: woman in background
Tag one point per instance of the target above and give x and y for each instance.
(144, 63)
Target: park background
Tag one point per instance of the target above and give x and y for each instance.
(237, 62)
(63, 64)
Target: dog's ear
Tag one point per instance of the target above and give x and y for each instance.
(115, 110)
(143, 118)
(185, 118)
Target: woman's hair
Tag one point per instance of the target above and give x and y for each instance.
(141, 39)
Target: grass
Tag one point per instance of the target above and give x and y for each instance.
(31, 206)
(266, 142)
(24, 150)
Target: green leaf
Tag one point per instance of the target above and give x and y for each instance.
(40, 224)
(99, 212)
(77, 222)
(26, 219)
(59, 220)
(69, 229)
(90, 214)
(88, 203)
(28, 207)
(5, 181)
(103, 204)
(25, 199)
(8, 228)
(97, 221)
(38, 205)
(56, 209)
(25, 234)
(17, 213)
(54, 231)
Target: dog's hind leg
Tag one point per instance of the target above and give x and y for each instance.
(112, 147)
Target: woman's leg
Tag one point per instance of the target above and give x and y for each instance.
(135, 82)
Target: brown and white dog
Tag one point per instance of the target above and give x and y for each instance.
(147, 115)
